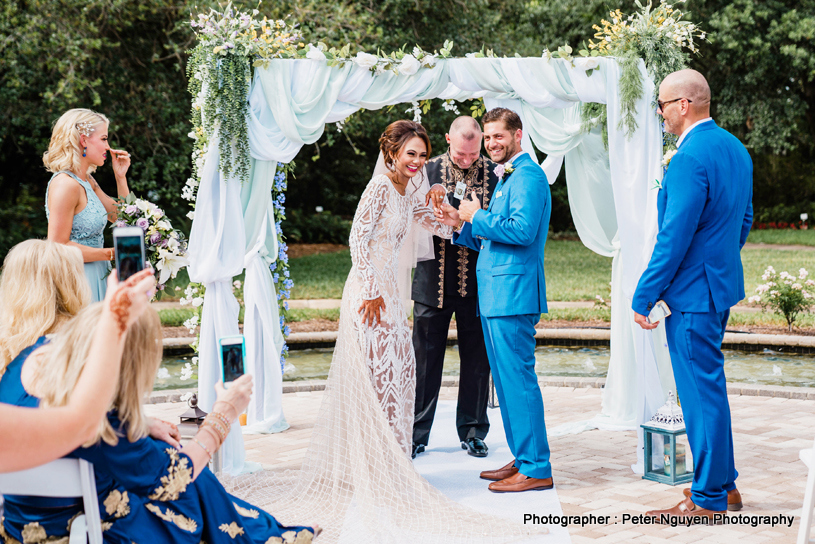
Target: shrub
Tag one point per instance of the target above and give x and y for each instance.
(785, 294)
(316, 228)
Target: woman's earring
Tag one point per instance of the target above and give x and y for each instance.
(84, 151)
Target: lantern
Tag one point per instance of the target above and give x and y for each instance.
(668, 423)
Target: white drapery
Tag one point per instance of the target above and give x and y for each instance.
(610, 193)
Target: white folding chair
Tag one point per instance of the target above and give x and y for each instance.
(62, 478)
(808, 457)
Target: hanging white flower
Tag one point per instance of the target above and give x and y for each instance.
(587, 63)
(365, 60)
(666, 159)
(315, 53)
(409, 65)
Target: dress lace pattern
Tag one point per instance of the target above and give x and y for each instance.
(357, 480)
(89, 225)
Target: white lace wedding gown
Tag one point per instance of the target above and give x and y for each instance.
(357, 480)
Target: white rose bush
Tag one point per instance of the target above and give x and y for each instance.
(164, 247)
(785, 294)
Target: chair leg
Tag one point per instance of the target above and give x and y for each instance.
(809, 500)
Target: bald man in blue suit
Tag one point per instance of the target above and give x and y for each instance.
(705, 212)
(510, 236)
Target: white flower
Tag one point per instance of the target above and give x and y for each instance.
(409, 65)
(315, 53)
(143, 205)
(429, 60)
(784, 275)
(666, 159)
(197, 301)
(164, 225)
(195, 360)
(365, 60)
(172, 245)
(168, 265)
(163, 373)
(190, 215)
(191, 323)
(236, 284)
(587, 63)
(802, 273)
(797, 286)
(193, 135)
(754, 299)
(186, 372)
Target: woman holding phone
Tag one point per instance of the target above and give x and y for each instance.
(77, 208)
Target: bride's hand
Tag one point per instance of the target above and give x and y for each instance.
(436, 194)
(447, 215)
(370, 310)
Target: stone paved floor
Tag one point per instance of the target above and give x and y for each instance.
(591, 470)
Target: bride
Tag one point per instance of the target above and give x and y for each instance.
(357, 480)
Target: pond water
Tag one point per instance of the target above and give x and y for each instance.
(767, 367)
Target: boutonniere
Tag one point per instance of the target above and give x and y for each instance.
(505, 169)
(666, 158)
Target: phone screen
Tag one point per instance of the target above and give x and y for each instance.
(129, 256)
(232, 357)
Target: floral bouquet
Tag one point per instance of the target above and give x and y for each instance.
(164, 247)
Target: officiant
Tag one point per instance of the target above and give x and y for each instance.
(446, 285)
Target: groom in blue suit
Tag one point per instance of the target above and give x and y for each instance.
(705, 212)
(510, 236)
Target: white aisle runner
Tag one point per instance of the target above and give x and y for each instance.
(448, 468)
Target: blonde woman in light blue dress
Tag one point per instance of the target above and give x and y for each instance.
(77, 208)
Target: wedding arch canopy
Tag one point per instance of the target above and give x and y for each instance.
(611, 194)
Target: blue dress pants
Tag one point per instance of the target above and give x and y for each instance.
(695, 343)
(510, 342)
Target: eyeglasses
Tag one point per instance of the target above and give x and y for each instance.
(662, 104)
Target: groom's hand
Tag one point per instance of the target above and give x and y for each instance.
(467, 208)
(643, 322)
(447, 215)
(436, 194)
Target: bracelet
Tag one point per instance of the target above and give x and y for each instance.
(217, 427)
(215, 436)
(222, 418)
(460, 225)
(203, 447)
(237, 413)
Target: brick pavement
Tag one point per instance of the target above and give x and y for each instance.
(591, 469)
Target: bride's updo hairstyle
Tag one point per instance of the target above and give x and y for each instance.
(64, 151)
(396, 136)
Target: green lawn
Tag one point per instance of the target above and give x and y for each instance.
(573, 272)
(785, 237)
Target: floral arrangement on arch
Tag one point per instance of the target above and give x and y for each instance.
(165, 248)
(785, 294)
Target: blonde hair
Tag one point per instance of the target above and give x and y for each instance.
(42, 285)
(64, 151)
(65, 360)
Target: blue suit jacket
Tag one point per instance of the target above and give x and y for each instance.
(705, 210)
(511, 236)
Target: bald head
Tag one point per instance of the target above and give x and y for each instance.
(688, 84)
(465, 141)
(685, 99)
(466, 128)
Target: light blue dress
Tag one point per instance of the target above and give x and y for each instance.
(87, 229)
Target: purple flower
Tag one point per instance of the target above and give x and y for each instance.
(120, 223)
(160, 287)
(143, 223)
(132, 209)
(155, 238)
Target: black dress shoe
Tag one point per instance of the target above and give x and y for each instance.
(475, 447)
(417, 449)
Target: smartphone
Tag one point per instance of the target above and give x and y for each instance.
(232, 354)
(660, 312)
(128, 245)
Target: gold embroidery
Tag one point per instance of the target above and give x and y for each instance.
(274, 540)
(441, 272)
(304, 537)
(182, 522)
(33, 533)
(117, 504)
(106, 525)
(178, 478)
(463, 264)
(246, 512)
(6, 538)
(233, 529)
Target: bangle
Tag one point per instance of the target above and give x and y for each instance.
(237, 413)
(203, 447)
(222, 417)
(216, 427)
(460, 225)
(214, 434)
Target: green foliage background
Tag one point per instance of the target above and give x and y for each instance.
(126, 58)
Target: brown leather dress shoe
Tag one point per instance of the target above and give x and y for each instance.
(503, 472)
(685, 513)
(734, 503)
(519, 482)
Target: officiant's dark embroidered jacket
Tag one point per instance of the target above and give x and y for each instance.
(452, 272)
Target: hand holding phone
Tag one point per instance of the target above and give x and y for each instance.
(232, 354)
(660, 312)
(128, 246)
